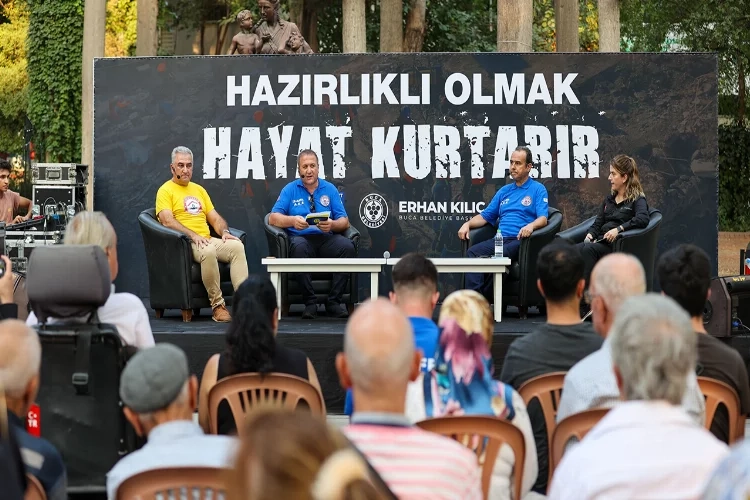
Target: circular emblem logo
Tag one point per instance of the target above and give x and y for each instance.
(325, 200)
(373, 210)
(526, 201)
(192, 205)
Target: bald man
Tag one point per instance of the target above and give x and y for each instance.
(591, 382)
(20, 358)
(378, 362)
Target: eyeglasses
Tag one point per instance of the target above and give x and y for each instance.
(312, 203)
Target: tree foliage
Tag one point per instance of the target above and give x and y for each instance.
(194, 14)
(121, 31)
(54, 47)
(14, 80)
(734, 181)
(544, 26)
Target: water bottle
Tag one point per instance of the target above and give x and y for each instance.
(499, 244)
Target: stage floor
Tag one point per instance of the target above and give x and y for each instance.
(321, 339)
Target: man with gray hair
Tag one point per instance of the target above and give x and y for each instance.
(378, 361)
(20, 359)
(123, 310)
(590, 383)
(646, 447)
(159, 395)
(186, 207)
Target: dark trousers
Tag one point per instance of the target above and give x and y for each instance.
(326, 246)
(481, 282)
(591, 253)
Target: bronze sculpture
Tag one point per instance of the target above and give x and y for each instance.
(278, 36)
(246, 41)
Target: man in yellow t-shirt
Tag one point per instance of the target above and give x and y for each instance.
(186, 207)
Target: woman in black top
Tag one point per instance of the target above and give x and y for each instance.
(251, 347)
(624, 208)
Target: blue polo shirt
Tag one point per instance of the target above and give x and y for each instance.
(517, 206)
(426, 334)
(296, 200)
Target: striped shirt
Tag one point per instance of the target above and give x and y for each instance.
(418, 464)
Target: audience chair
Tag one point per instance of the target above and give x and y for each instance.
(716, 393)
(291, 293)
(640, 243)
(573, 427)
(196, 483)
(484, 435)
(34, 489)
(247, 390)
(82, 359)
(519, 283)
(174, 278)
(546, 389)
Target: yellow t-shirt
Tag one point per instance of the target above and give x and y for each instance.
(189, 204)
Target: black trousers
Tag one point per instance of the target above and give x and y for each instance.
(591, 253)
(326, 246)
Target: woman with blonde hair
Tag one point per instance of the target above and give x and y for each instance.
(625, 208)
(462, 383)
(286, 454)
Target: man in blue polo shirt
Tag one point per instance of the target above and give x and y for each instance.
(303, 196)
(521, 208)
(415, 292)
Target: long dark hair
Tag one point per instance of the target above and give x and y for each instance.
(250, 340)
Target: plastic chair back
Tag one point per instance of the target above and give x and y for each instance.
(196, 483)
(575, 426)
(34, 489)
(716, 393)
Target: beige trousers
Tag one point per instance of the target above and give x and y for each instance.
(231, 252)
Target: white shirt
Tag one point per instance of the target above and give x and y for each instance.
(639, 450)
(180, 443)
(591, 383)
(125, 312)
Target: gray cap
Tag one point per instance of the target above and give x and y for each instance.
(153, 378)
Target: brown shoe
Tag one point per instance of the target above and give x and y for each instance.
(221, 315)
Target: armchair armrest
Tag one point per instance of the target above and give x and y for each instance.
(278, 239)
(653, 225)
(168, 258)
(577, 234)
(353, 234)
(477, 235)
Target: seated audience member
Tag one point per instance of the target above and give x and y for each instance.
(591, 382)
(301, 197)
(295, 455)
(20, 360)
(123, 310)
(556, 345)
(251, 347)
(623, 209)
(12, 476)
(647, 446)
(731, 479)
(185, 206)
(159, 395)
(8, 307)
(519, 208)
(457, 387)
(378, 361)
(415, 292)
(684, 274)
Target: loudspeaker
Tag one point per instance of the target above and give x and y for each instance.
(727, 312)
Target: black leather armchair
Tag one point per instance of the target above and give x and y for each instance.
(638, 242)
(291, 293)
(174, 277)
(519, 284)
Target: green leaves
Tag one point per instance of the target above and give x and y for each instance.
(13, 78)
(734, 178)
(54, 46)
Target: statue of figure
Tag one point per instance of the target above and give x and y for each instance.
(295, 45)
(245, 42)
(275, 33)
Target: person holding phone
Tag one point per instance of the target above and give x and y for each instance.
(318, 236)
(624, 208)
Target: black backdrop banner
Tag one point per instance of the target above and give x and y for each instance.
(416, 143)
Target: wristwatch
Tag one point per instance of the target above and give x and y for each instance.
(225, 231)
(620, 229)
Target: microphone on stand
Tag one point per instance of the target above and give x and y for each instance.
(386, 254)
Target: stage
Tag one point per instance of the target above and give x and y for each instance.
(321, 339)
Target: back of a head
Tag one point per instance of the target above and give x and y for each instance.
(616, 277)
(20, 356)
(90, 228)
(684, 273)
(415, 275)
(560, 267)
(285, 454)
(250, 337)
(653, 348)
(379, 347)
(471, 312)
